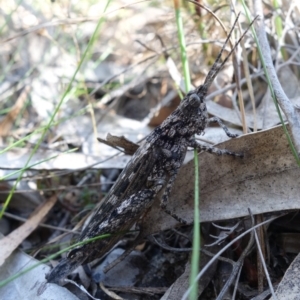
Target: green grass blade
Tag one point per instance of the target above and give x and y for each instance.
(182, 44)
(11, 278)
(196, 238)
(196, 235)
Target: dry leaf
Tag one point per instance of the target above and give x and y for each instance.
(289, 287)
(28, 285)
(267, 179)
(120, 141)
(10, 242)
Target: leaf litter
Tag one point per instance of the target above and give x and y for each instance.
(265, 181)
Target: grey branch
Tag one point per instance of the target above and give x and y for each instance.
(291, 112)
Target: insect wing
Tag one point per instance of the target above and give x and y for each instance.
(132, 179)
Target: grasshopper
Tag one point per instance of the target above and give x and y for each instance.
(152, 169)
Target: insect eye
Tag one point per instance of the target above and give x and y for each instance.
(194, 100)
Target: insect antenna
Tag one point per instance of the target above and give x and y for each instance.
(217, 66)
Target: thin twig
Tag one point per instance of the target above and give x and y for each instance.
(226, 247)
(262, 259)
(14, 217)
(237, 266)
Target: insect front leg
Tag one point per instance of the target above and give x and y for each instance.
(194, 144)
(221, 124)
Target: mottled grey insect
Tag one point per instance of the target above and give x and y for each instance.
(152, 168)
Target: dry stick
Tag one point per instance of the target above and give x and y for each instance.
(225, 248)
(237, 267)
(164, 246)
(248, 78)
(213, 14)
(258, 217)
(262, 259)
(291, 112)
(236, 283)
(261, 238)
(14, 217)
(289, 61)
(237, 75)
(151, 291)
(181, 234)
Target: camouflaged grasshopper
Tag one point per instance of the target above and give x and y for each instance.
(152, 168)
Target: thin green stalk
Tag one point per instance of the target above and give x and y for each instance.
(278, 27)
(184, 60)
(51, 121)
(196, 239)
(196, 236)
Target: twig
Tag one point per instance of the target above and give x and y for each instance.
(262, 259)
(225, 248)
(290, 111)
(237, 266)
(14, 217)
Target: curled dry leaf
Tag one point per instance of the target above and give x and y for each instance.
(267, 179)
